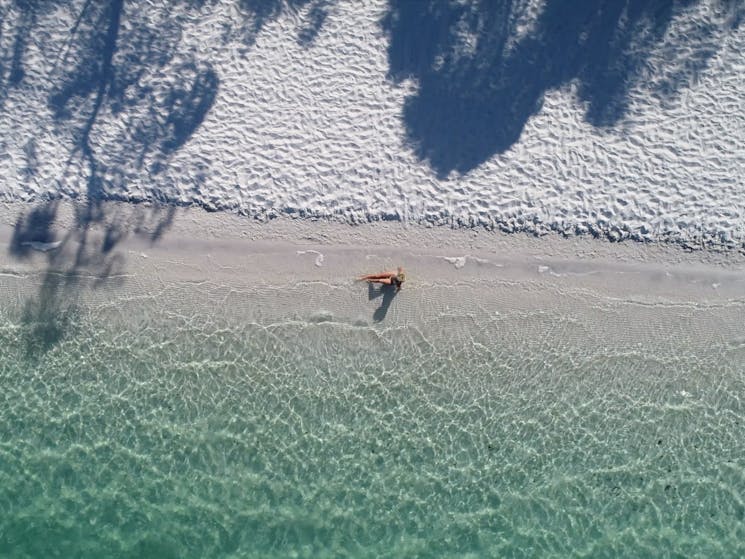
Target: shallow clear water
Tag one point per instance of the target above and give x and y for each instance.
(181, 434)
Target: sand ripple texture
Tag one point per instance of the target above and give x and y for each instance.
(630, 127)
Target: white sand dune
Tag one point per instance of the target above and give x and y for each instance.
(563, 119)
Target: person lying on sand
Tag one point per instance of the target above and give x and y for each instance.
(386, 278)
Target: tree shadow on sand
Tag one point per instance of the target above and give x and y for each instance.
(125, 65)
(111, 70)
(260, 12)
(83, 256)
(22, 16)
(483, 67)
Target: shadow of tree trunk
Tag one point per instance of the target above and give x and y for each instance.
(82, 257)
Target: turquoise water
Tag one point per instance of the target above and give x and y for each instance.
(191, 435)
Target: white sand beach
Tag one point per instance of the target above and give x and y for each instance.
(627, 124)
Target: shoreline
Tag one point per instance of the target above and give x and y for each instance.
(239, 271)
(43, 228)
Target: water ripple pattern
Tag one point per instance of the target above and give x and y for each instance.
(153, 430)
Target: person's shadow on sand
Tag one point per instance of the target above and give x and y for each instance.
(388, 292)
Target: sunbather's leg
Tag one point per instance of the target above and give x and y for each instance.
(380, 276)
